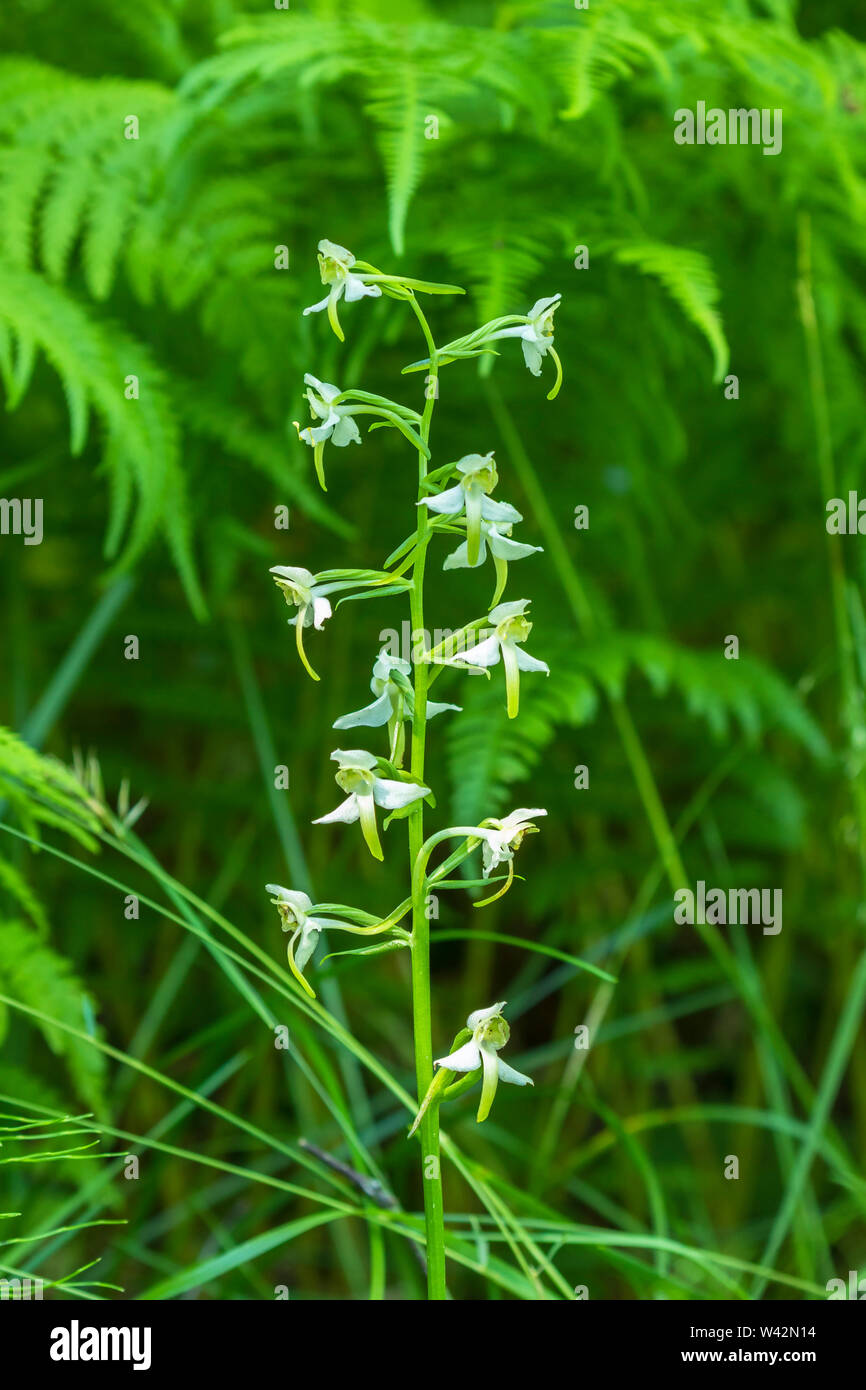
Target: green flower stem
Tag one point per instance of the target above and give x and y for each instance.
(422, 1024)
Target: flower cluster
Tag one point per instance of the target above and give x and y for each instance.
(455, 500)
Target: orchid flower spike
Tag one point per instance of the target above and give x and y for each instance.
(490, 1033)
(471, 496)
(536, 334)
(337, 425)
(335, 267)
(394, 703)
(366, 791)
(510, 628)
(495, 536)
(299, 587)
(501, 840)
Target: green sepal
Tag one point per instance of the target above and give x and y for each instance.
(459, 1088)
(402, 549)
(377, 950)
(471, 882)
(403, 812)
(396, 586)
(445, 359)
(353, 576)
(356, 914)
(438, 475)
(394, 422)
(406, 412)
(404, 282)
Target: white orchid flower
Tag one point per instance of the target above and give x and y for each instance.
(495, 536)
(335, 268)
(536, 335)
(366, 791)
(299, 587)
(394, 703)
(338, 425)
(490, 1033)
(294, 909)
(510, 628)
(501, 840)
(471, 495)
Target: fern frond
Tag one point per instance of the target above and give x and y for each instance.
(399, 113)
(499, 259)
(715, 689)
(93, 361)
(601, 47)
(689, 279)
(16, 885)
(38, 976)
(488, 753)
(42, 790)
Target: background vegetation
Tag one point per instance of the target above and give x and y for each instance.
(156, 257)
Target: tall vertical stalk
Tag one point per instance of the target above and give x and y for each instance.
(434, 1216)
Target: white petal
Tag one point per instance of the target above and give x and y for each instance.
(356, 289)
(485, 653)
(321, 611)
(541, 305)
(466, 1058)
(481, 1015)
(516, 332)
(320, 407)
(450, 502)
(523, 814)
(433, 709)
(530, 663)
(371, 716)
(507, 1073)
(299, 902)
(326, 389)
(317, 434)
(345, 432)
(459, 558)
(492, 510)
(392, 795)
(307, 944)
(515, 609)
(317, 308)
(347, 812)
(532, 355)
(354, 757)
(294, 575)
(335, 252)
(507, 549)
